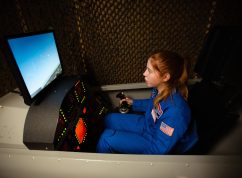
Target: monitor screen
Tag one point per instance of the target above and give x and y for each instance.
(36, 62)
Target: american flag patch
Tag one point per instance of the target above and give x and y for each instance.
(166, 129)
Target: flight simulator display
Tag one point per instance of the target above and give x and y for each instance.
(36, 62)
(64, 114)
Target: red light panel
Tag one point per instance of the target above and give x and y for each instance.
(81, 131)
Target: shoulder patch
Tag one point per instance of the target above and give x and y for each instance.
(159, 111)
(153, 93)
(166, 129)
(156, 112)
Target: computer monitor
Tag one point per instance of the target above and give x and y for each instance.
(35, 63)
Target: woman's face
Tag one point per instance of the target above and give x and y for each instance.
(152, 76)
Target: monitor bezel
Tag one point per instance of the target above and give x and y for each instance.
(14, 68)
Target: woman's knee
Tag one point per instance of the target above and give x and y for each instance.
(103, 146)
(110, 119)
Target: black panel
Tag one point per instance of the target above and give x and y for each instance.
(70, 118)
(41, 120)
(221, 58)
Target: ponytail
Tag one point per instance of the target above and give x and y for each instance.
(182, 86)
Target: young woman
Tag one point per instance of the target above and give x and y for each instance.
(166, 126)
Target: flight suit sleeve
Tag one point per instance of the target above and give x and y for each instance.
(140, 105)
(169, 131)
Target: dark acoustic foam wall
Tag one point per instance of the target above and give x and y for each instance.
(112, 39)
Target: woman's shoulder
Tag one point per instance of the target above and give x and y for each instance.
(177, 103)
(177, 110)
(176, 96)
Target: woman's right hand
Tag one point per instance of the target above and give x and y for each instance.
(128, 100)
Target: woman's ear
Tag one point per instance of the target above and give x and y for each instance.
(166, 77)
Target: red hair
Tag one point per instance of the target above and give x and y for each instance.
(174, 64)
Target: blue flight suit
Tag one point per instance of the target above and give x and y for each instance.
(165, 129)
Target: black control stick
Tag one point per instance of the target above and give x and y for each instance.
(124, 106)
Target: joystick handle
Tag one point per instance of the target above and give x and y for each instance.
(121, 95)
(124, 107)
